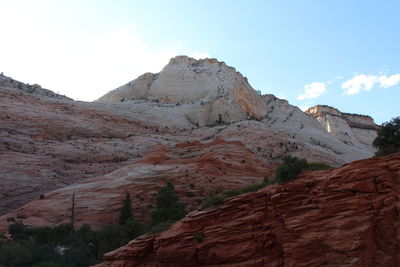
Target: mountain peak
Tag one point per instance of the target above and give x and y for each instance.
(211, 90)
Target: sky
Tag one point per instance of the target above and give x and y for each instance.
(341, 53)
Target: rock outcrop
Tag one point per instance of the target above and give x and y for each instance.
(49, 141)
(305, 128)
(211, 91)
(349, 128)
(196, 169)
(342, 217)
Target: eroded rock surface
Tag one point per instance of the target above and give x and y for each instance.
(197, 170)
(48, 141)
(342, 217)
(214, 93)
(349, 128)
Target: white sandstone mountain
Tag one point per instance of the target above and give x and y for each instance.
(207, 93)
(211, 91)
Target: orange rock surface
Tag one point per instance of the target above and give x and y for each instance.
(342, 217)
(196, 169)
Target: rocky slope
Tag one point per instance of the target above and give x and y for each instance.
(48, 141)
(217, 93)
(197, 170)
(342, 217)
(348, 128)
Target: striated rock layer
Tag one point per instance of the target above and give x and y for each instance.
(342, 217)
(196, 169)
(348, 128)
(48, 141)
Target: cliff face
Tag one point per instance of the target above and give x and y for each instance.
(212, 91)
(348, 128)
(342, 217)
(196, 169)
(49, 141)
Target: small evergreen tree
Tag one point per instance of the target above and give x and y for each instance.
(388, 139)
(169, 209)
(126, 210)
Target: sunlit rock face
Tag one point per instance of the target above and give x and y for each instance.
(49, 142)
(347, 216)
(209, 91)
(353, 129)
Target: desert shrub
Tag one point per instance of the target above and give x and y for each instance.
(318, 166)
(214, 200)
(289, 169)
(169, 208)
(253, 187)
(230, 193)
(388, 138)
(17, 229)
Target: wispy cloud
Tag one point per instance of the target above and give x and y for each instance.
(366, 82)
(312, 90)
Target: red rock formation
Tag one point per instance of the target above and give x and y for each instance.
(202, 169)
(342, 217)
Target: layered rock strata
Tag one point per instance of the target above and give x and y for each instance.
(196, 169)
(342, 217)
(349, 128)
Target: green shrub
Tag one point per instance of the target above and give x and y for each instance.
(388, 138)
(231, 193)
(214, 200)
(318, 166)
(289, 169)
(253, 187)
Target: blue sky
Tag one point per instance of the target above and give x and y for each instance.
(342, 53)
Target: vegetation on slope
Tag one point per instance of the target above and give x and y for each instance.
(62, 245)
(290, 168)
(388, 139)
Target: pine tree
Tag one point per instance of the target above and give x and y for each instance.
(126, 210)
(169, 208)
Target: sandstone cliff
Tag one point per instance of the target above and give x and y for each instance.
(212, 91)
(343, 217)
(49, 141)
(348, 128)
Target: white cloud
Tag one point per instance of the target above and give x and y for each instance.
(312, 90)
(366, 82)
(389, 81)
